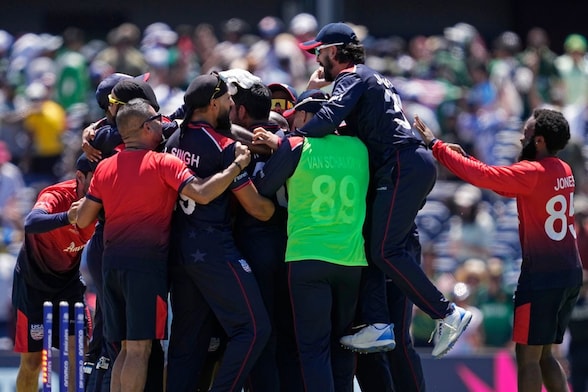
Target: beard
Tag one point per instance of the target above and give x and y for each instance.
(223, 121)
(328, 70)
(529, 152)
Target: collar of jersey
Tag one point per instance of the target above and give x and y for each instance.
(201, 124)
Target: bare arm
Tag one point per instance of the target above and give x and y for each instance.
(204, 190)
(245, 136)
(88, 135)
(263, 137)
(87, 212)
(256, 205)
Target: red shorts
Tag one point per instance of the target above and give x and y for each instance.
(542, 316)
(28, 302)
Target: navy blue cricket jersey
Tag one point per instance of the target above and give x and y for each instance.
(206, 152)
(371, 108)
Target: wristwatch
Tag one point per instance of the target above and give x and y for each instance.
(432, 143)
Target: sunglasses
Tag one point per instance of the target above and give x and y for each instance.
(280, 104)
(217, 89)
(318, 49)
(157, 117)
(113, 101)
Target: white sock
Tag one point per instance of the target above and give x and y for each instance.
(380, 325)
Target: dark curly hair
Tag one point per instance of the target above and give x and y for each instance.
(353, 52)
(554, 128)
(257, 100)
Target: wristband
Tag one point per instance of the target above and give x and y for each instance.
(237, 164)
(432, 143)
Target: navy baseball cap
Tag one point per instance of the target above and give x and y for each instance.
(203, 89)
(309, 101)
(331, 34)
(106, 86)
(84, 165)
(128, 89)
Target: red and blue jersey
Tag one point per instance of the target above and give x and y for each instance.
(55, 253)
(544, 191)
(204, 231)
(206, 152)
(138, 190)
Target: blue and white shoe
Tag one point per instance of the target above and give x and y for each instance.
(370, 339)
(449, 329)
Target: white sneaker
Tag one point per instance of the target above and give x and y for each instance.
(449, 329)
(370, 339)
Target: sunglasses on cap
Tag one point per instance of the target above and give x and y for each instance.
(113, 101)
(217, 89)
(280, 104)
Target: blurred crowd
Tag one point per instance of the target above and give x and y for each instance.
(469, 90)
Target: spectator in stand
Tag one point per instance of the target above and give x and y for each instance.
(471, 228)
(45, 121)
(509, 77)
(472, 340)
(232, 50)
(167, 67)
(206, 58)
(73, 79)
(540, 59)
(11, 190)
(122, 54)
(304, 27)
(573, 69)
(265, 58)
(7, 322)
(495, 301)
(474, 273)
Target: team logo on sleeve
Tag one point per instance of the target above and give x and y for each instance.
(37, 331)
(244, 265)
